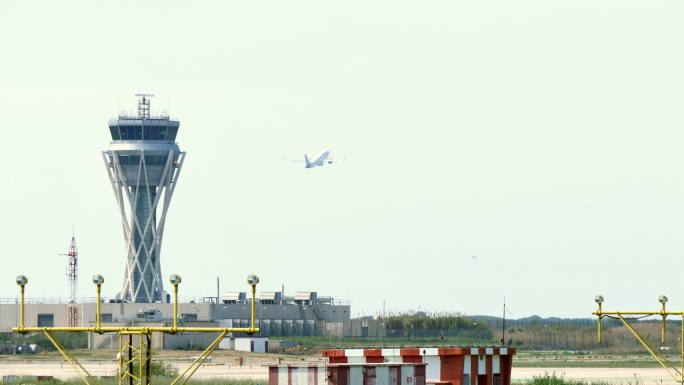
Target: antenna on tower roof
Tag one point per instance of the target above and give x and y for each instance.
(144, 105)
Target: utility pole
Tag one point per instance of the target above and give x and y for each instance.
(503, 324)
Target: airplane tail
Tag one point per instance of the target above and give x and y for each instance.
(306, 159)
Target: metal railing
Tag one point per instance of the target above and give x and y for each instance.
(86, 300)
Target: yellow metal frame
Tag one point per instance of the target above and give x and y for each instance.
(190, 370)
(135, 360)
(140, 354)
(78, 368)
(677, 373)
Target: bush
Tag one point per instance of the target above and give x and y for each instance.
(159, 369)
(553, 379)
(163, 369)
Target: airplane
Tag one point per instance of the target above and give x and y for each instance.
(320, 161)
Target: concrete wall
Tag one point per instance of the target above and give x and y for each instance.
(159, 340)
(283, 312)
(244, 344)
(363, 328)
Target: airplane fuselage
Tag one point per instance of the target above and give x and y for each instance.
(320, 161)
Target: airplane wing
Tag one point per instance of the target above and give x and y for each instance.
(322, 158)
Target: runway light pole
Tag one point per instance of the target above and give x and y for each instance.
(98, 280)
(599, 301)
(252, 280)
(663, 314)
(175, 280)
(21, 281)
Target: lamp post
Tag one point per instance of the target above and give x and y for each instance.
(599, 301)
(98, 280)
(175, 280)
(252, 280)
(663, 300)
(21, 281)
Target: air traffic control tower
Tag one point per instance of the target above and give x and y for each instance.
(143, 162)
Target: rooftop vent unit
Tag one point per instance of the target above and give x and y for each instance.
(271, 297)
(305, 297)
(234, 297)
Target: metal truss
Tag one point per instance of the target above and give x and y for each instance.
(183, 378)
(135, 357)
(135, 360)
(672, 369)
(139, 202)
(86, 377)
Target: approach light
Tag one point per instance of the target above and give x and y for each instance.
(175, 279)
(98, 279)
(252, 279)
(598, 299)
(22, 280)
(662, 299)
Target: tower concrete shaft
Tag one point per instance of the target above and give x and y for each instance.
(143, 162)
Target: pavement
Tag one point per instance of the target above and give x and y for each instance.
(63, 370)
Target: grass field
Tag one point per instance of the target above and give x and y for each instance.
(310, 350)
(559, 359)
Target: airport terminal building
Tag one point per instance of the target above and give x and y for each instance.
(302, 314)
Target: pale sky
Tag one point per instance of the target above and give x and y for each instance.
(543, 137)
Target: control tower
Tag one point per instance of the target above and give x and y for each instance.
(143, 162)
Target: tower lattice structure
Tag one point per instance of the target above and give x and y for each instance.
(72, 276)
(143, 162)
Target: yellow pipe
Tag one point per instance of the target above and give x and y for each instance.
(135, 329)
(648, 348)
(210, 349)
(662, 326)
(140, 360)
(599, 324)
(97, 320)
(682, 350)
(624, 313)
(175, 307)
(21, 309)
(121, 347)
(190, 370)
(67, 357)
(253, 309)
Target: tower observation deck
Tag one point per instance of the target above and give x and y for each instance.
(143, 162)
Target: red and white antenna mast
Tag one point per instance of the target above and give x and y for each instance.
(72, 276)
(72, 270)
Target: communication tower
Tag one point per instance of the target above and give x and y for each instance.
(72, 277)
